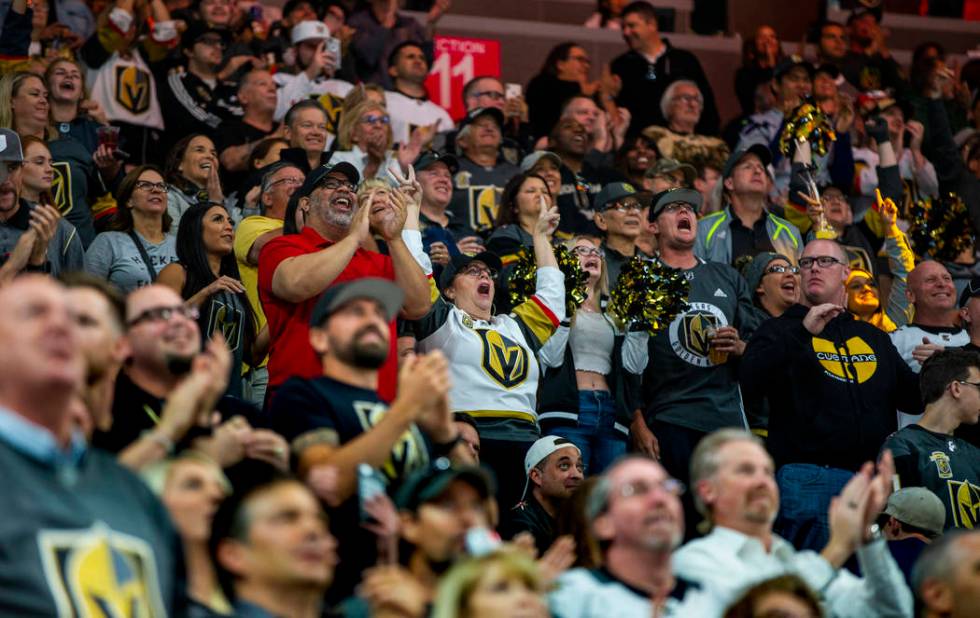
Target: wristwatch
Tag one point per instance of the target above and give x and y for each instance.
(874, 534)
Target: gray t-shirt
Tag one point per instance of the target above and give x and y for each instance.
(114, 257)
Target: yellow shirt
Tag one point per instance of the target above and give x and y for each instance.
(245, 236)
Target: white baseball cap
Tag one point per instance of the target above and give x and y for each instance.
(309, 29)
(539, 451)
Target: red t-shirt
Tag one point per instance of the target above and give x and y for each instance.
(290, 353)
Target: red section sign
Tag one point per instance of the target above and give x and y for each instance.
(457, 61)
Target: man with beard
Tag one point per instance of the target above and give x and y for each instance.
(868, 64)
(168, 390)
(408, 101)
(690, 385)
(833, 384)
(554, 470)
(337, 421)
(58, 249)
(295, 269)
(735, 490)
(315, 76)
(636, 515)
(72, 515)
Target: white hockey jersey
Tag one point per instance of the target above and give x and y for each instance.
(408, 113)
(126, 90)
(494, 363)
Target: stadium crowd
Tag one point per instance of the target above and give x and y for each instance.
(280, 337)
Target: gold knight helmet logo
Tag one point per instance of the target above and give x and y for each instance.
(503, 360)
(133, 89)
(100, 572)
(964, 497)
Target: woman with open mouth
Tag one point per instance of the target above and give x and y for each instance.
(592, 366)
(365, 141)
(192, 175)
(493, 356)
(206, 276)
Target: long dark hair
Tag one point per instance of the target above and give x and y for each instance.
(193, 256)
(507, 213)
(122, 221)
(558, 53)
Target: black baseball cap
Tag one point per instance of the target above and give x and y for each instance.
(429, 483)
(789, 63)
(431, 157)
(317, 176)
(475, 113)
(614, 191)
(759, 150)
(386, 293)
(971, 290)
(196, 30)
(671, 196)
(461, 261)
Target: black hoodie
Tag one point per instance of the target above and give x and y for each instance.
(832, 397)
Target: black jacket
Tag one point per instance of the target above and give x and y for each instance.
(644, 85)
(558, 389)
(832, 397)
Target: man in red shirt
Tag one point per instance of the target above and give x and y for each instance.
(295, 269)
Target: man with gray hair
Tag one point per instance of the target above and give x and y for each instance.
(734, 488)
(945, 577)
(279, 182)
(636, 515)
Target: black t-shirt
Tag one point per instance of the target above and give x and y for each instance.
(946, 465)
(236, 133)
(135, 411)
(326, 411)
(749, 241)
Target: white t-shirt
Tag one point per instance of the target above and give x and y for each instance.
(408, 113)
(908, 337)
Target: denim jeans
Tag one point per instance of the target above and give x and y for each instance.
(595, 433)
(805, 491)
(254, 384)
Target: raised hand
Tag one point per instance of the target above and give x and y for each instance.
(819, 316)
(44, 223)
(547, 219)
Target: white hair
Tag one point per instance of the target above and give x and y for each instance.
(668, 95)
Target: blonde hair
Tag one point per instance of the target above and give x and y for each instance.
(156, 475)
(10, 83)
(349, 119)
(457, 586)
(602, 286)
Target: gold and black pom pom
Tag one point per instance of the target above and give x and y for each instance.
(940, 228)
(648, 294)
(807, 123)
(523, 279)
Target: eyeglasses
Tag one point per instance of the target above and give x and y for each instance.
(376, 120)
(678, 206)
(295, 182)
(973, 384)
(475, 270)
(332, 184)
(493, 95)
(163, 314)
(588, 251)
(780, 269)
(689, 98)
(625, 206)
(823, 261)
(644, 488)
(146, 185)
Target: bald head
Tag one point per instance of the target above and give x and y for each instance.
(932, 292)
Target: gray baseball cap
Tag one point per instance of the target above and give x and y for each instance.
(919, 507)
(10, 151)
(532, 159)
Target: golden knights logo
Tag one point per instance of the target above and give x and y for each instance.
(100, 573)
(407, 454)
(943, 468)
(688, 332)
(61, 187)
(133, 89)
(503, 360)
(853, 361)
(226, 319)
(482, 201)
(964, 497)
